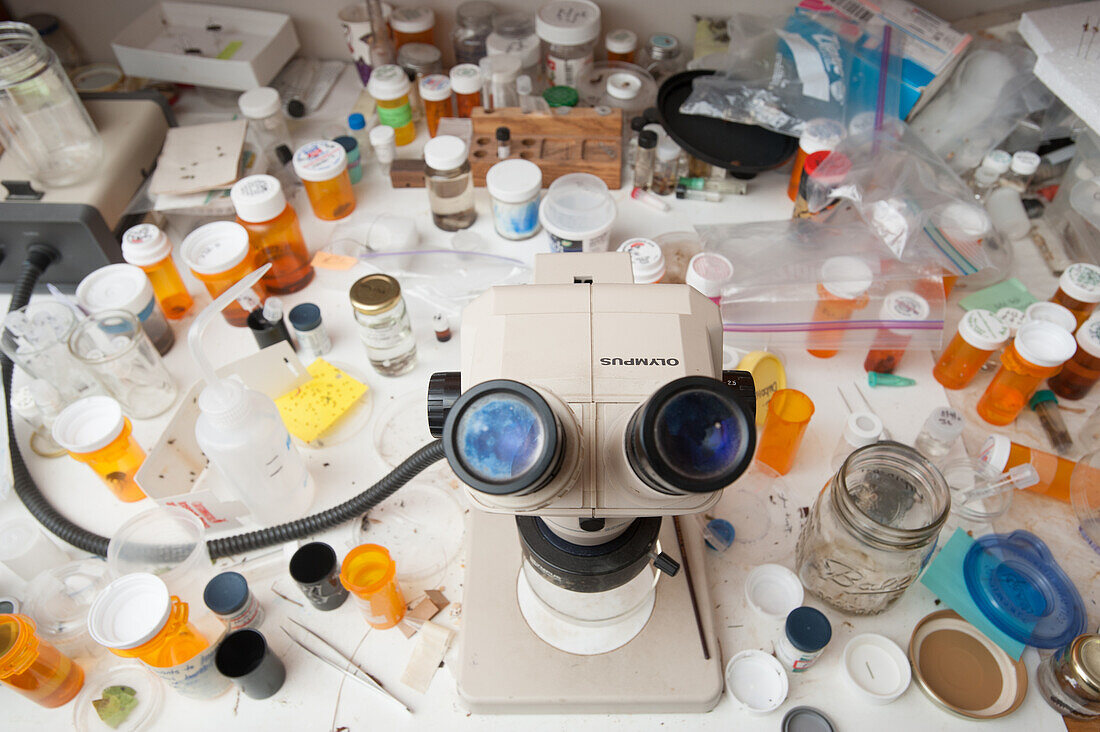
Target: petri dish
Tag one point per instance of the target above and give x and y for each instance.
(401, 429)
(149, 693)
(352, 422)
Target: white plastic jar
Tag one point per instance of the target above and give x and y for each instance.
(569, 28)
(647, 260)
(577, 213)
(514, 187)
(126, 287)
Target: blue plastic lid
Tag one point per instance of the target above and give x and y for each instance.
(306, 316)
(356, 121)
(1015, 582)
(226, 593)
(719, 534)
(808, 629)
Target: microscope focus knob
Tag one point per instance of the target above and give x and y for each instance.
(666, 564)
(444, 387)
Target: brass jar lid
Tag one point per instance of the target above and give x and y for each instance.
(375, 294)
(1084, 653)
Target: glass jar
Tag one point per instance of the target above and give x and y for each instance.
(59, 41)
(663, 56)
(36, 338)
(384, 325)
(412, 25)
(1069, 680)
(872, 528)
(264, 111)
(450, 183)
(42, 120)
(389, 86)
(473, 24)
(33, 667)
(419, 60)
(514, 35)
(569, 28)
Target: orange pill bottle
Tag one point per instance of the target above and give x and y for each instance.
(412, 25)
(33, 667)
(323, 167)
(389, 86)
(435, 92)
(273, 233)
(1036, 353)
(1080, 373)
(146, 246)
(841, 292)
(888, 348)
(980, 334)
(219, 255)
(1054, 472)
(1079, 290)
(370, 574)
(789, 412)
(621, 45)
(817, 135)
(466, 85)
(96, 433)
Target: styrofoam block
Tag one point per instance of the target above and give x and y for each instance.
(1066, 63)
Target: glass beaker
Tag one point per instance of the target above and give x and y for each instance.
(41, 118)
(36, 339)
(114, 346)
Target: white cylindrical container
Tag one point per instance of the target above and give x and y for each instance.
(240, 430)
(577, 213)
(514, 187)
(126, 287)
(1007, 213)
(647, 260)
(861, 428)
(569, 28)
(383, 142)
(806, 632)
(708, 273)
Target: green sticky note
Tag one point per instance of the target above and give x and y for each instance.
(944, 576)
(231, 48)
(1008, 294)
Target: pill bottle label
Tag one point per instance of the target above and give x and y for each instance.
(395, 117)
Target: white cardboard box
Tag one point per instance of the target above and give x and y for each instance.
(156, 45)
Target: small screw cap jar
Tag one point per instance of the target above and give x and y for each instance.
(806, 632)
(384, 324)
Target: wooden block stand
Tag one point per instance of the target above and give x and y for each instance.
(568, 140)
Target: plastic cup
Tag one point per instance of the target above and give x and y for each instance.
(789, 412)
(25, 550)
(114, 346)
(371, 575)
(168, 542)
(245, 657)
(35, 337)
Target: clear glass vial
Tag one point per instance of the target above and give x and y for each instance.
(384, 325)
(940, 431)
(450, 183)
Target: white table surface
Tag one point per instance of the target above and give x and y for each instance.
(314, 697)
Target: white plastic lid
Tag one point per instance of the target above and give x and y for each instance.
(1024, 163)
(876, 667)
(945, 424)
(116, 287)
(820, 134)
(1081, 281)
(985, 177)
(623, 85)
(846, 277)
(144, 245)
(258, 198)
(983, 330)
(89, 424)
(514, 181)
(667, 149)
(129, 611)
(621, 41)
(412, 20)
(964, 221)
(773, 590)
(1012, 319)
(568, 22)
(997, 161)
(388, 82)
(577, 206)
(862, 428)
(1044, 344)
(647, 259)
(757, 680)
(466, 79)
(381, 135)
(259, 103)
(435, 88)
(215, 247)
(708, 272)
(527, 49)
(1051, 312)
(445, 152)
(1088, 337)
(995, 451)
(322, 160)
(904, 305)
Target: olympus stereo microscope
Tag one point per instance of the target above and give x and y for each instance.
(594, 411)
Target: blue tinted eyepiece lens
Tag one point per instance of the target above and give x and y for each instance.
(500, 438)
(698, 435)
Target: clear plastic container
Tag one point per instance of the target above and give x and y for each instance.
(59, 599)
(309, 330)
(112, 345)
(645, 159)
(577, 213)
(36, 338)
(323, 168)
(1036, 353)
(499, 74)
(569, 28)
(514, 35)
(466, 85)
(1023, 166)
(450, 183)
(389, 85)
(147, 247)
(514, 187)
(384, 325)
(621, 45)
(273, 233)
(841, 293)
(96, 433)
(33, 667)
(125, 287)
(412, 25)
(435, 93)
(23, 406)
(264, 111)
(662, 56)
(473, 24)
(369, 573)
(980, 333)
(939, 433)
(890, 344)
(1079, 290)
(42, 120)
(219, 255)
